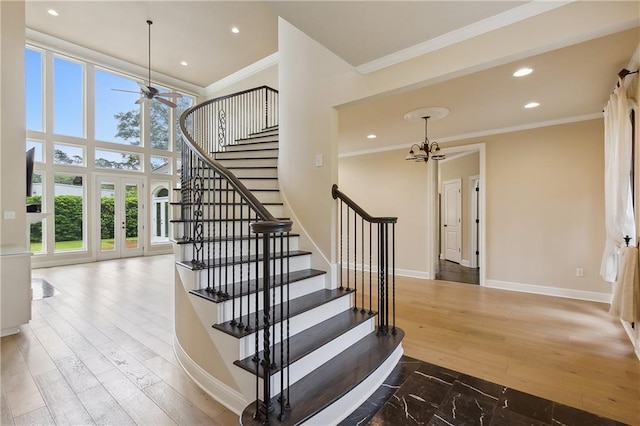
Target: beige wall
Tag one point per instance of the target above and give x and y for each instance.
(384, 184)
(12, 124)
(461, 168)
(265, 77)
(544, 205)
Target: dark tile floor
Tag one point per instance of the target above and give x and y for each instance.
(420, 393)
(451, 271)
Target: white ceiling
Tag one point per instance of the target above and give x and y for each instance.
(571, 82)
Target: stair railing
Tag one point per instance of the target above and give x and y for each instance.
(226, 120)
(374, 284)
(225, 223)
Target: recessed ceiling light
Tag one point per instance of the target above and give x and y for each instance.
(532, 105)
(235, 30)
(522, 72)
(371, 136)
(52, 12)
(184, 63)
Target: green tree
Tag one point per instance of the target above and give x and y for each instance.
(129, 125)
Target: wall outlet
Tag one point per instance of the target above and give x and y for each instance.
(319, 160)
(9, 214)
(579, 272)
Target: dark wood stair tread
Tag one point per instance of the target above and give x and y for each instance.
(250, 286)
(237, 260)
(331, 381)
(246, 219)
(249, 158)
(235, 151)
(310, 339)
(296, 306)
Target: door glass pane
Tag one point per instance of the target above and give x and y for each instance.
(107, 216)
(131, 215)
(68, 97)
(68, 212)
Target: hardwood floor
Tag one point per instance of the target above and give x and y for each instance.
(451, 271)
(101, 350)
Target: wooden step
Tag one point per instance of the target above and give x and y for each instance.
(251, 286)
(331, 381)
(311, 339)
(297, 306)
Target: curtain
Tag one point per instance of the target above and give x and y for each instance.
(618, 203)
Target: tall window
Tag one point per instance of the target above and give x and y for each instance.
(68, 97)
(34, 90)
(96, 128)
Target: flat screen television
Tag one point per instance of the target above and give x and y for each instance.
(30, 160)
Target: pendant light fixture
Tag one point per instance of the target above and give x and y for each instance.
(426, 149)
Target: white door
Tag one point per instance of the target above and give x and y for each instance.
(120, 222)
(451, 220)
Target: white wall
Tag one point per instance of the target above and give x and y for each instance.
(12, 124)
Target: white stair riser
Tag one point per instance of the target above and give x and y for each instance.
(266, 172)
(222, 197)
(250, 162)
(267, 143)
(245, 210)
(297, 289)
(297, 324)
(251, 184)
(247, 271)
(214, 229)
(249, 151)
(315, 359)
(184, 252)
(271, 135)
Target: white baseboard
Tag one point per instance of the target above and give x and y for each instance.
(230, 398)
(410, 273)
(465, 263)
(550, 291)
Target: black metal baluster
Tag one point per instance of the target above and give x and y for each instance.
(288, 404)
(362, 262)
(341, 219)
(233, 251)
(393, 275)
(282, 398)
(240, 232)
(370, 268)
(347, 258)
(256, 357)
(381, 297)
(355, 260)
(266, 332)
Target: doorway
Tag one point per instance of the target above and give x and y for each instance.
(160, 215)
(120, 224)
(456, 215)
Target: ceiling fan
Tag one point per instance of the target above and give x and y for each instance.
(148, 92)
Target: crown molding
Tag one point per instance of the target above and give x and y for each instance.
(46, 41)
(240, 75)
(503, 19)
(480, 134)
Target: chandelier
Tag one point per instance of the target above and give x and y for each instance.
(426, 149)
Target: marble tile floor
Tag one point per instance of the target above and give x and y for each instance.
(420, 393)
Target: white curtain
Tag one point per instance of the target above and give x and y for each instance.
(618, 204)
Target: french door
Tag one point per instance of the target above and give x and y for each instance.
(120, 224)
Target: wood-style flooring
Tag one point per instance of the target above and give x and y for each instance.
(451, 271)
(101, 352)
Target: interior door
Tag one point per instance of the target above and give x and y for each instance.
(452, 220)
(120, 224)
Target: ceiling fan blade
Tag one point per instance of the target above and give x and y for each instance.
(166, 102)
(145, 89)
(128, 91)
(141, 100)
(170, 94)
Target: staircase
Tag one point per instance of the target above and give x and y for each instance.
(285, 345)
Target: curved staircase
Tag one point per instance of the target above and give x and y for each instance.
(288, 346)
